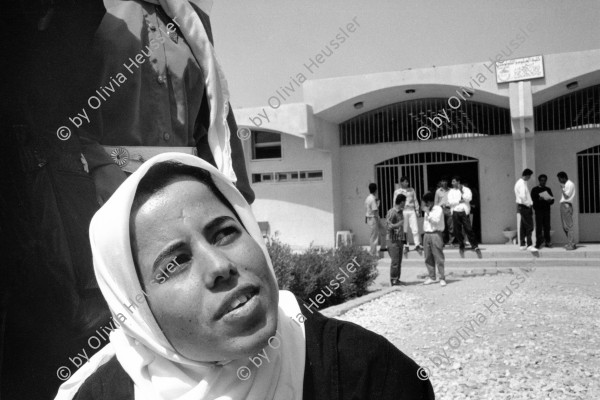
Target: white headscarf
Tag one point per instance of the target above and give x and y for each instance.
(157, 370)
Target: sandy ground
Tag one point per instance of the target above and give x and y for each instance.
(519, 335)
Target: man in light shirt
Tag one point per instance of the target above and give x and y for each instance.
(410, 212)
(433, 239)
(459, 199)
(566, 208)
(441, 199)
(524, 208)
(372, 218)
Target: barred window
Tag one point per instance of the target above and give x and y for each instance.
(588, 168)
(282, 177)
(444, 118)
(577, 110)
(266, 145)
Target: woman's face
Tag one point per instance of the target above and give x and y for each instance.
(208, 283)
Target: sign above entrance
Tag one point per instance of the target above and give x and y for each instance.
(519, 69)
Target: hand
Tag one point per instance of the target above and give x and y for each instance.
(107, 179)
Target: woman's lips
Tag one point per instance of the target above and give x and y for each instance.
(244, 310)
(239, 302)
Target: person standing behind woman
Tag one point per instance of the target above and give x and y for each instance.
(566, 208)
(395, 232)
(433, 240)
(163, 88)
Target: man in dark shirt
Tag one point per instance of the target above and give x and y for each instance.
(541, 205)
(395, 232)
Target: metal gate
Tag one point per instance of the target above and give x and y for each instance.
(588, 171)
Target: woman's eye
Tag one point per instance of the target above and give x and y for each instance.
(176, 265)
(226, 235)
(182, 258)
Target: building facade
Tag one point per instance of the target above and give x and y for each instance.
(311, 162)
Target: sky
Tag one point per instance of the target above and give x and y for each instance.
(262, 44)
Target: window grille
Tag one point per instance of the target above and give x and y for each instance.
(445, 119)
(588, 168)
(573, 111)
(266, 145)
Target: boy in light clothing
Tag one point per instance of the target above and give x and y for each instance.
(433, 240)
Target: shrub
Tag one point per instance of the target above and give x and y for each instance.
(323, 272)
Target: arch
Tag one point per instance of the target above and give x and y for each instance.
(437, 118)
(423, 171)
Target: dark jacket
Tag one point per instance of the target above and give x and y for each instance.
(539, 203)
(343, 361)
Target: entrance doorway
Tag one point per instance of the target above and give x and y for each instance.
(469, 175)
(424, 171)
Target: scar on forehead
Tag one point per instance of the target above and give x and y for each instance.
(192, 210)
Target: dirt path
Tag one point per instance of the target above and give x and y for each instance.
(529, 335)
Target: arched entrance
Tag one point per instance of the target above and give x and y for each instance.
(424, 171)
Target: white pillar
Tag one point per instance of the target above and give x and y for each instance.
(521, 115)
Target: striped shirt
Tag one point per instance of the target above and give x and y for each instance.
(394, 217)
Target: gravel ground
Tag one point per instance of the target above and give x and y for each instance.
(526, 335)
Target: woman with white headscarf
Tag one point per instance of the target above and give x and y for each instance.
(182, 264)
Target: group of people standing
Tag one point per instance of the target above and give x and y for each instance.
(446, 219)
(445, 215)
(540, 200)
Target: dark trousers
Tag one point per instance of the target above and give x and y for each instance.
(460, 221)
(526, 228)
(448, 228)
(395, 250)
(542, 227)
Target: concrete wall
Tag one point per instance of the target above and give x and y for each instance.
(496, 179)
(302, 212)
(557, 151)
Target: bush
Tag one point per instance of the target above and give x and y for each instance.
(333, 275)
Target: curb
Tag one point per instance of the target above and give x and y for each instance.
(339, 309)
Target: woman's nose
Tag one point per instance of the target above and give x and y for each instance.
(217, 268)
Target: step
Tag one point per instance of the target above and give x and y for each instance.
(555, 253)
(504, 262)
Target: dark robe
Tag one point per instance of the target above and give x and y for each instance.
(343, 361)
